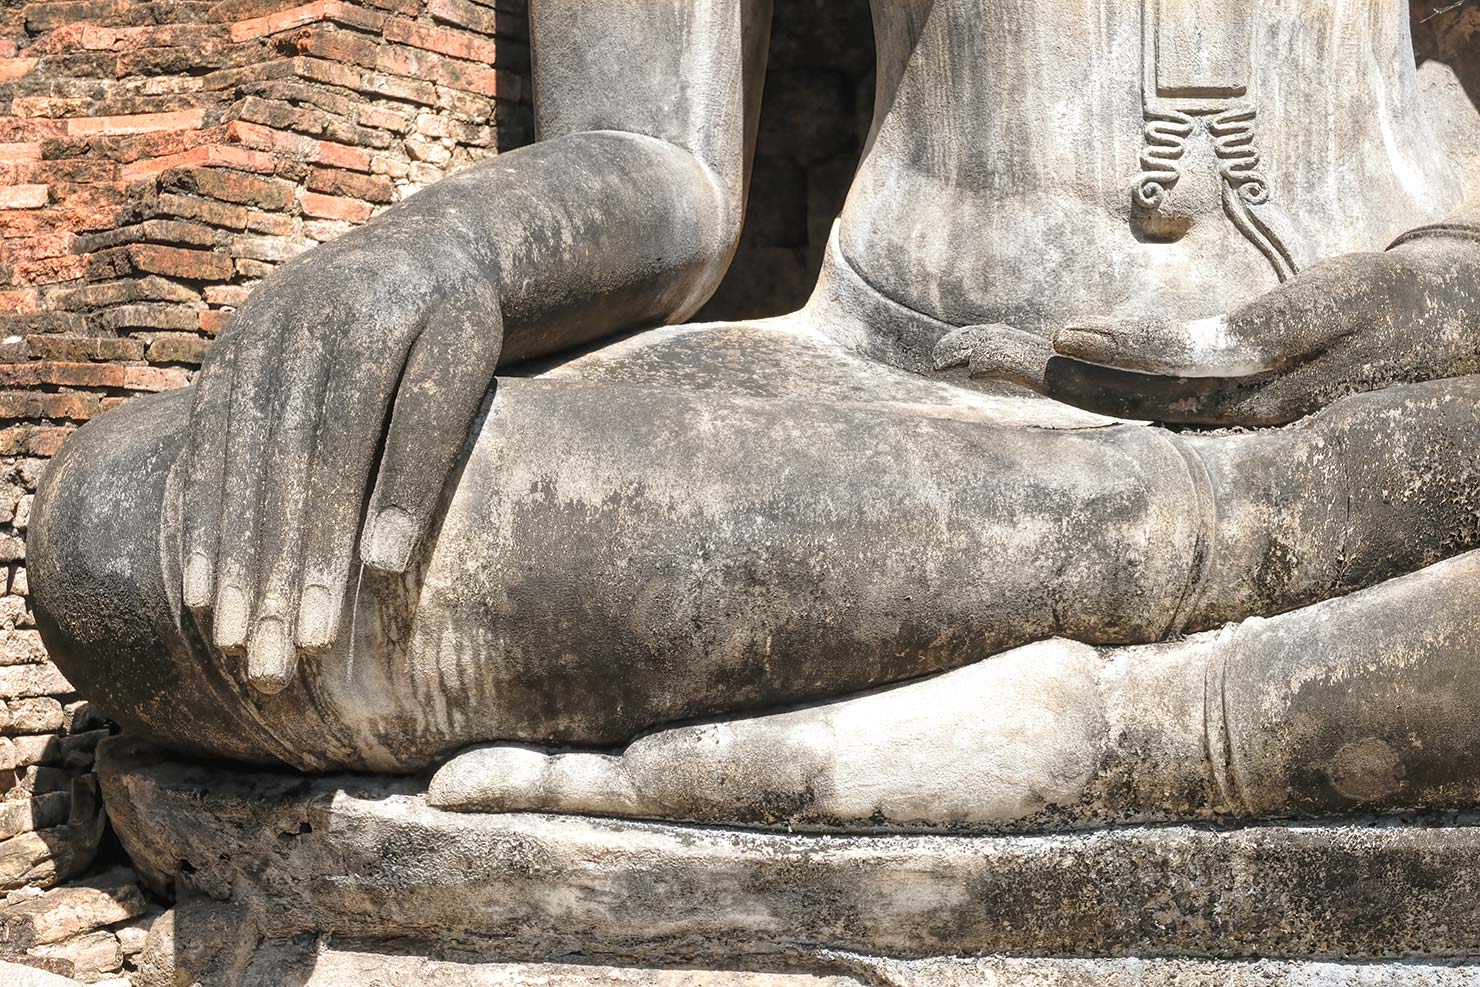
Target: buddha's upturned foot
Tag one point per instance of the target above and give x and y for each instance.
(1366, 703)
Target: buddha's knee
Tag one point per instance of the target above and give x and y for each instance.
(105, 584)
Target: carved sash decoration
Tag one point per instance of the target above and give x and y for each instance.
(1196, 77)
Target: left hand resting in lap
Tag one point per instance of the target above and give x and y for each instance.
(1358, 322)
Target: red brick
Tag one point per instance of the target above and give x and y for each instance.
(321, 10)
(375, 116)
(331, 44)
(22, 302)
(23, 197)
(33, 440)
(45, 16)
(213, 321)
(62, 374)
(208, 155)
(232, 186)
(440, 40)
(178, 349)
(334, 207)
(23, 130)
(137, 123)
(76, 406)
(74, 171)
(227, 294)
(21, 151)
(400, 60)
(37, 247)
(297, 145)
(465, 14)
(206, 210)
(51, 270)
(127, 39)
(335, 181)
(13, 68)
(178, 262)
(83, 349)
(154, 378)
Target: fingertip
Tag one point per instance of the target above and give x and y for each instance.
(318, 617)
(229, 628)
(1014, 356)
(389, 539)
(271, 658)
(1089, 344)
(197, 580)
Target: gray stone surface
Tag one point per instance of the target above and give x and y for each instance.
(367, 858)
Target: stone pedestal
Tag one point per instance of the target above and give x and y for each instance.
(277, 872)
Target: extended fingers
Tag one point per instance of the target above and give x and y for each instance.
(209, 416)
(447, 377)
(271, 654)
(1287, 324)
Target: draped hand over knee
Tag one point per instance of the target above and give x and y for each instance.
(1354, 323)
(356, 369)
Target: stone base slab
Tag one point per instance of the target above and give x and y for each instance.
(363, 859)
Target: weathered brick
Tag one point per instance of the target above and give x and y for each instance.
(22, 647)
(61, 374)
(51, 270)
(154, 378)
(20, 302)
(23, 197)
(207, 155)
(148, 315)
(266, 248)
(351, 184)
(21, 681)
(441, 40)
(20, 151)
(38, 715)
(213, 321)
(12, 69)
(232, 186)
(334, 207)
(39, 405)
(137, 123)
(227, 294)
(179, 262)
(28, 440)
(98, 295)
(205, 210)
(82, 348)
(179, 349)
(30, 814)
(321, 10)
(46, 16)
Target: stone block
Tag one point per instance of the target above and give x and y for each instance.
(27, 815)
(93, 955)
(64, 913)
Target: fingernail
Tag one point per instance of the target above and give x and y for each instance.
(271, 658)
(197, 581)
(389, 539)
(316, 612)
(231, 618)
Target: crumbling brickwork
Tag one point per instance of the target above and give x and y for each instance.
(157, 160)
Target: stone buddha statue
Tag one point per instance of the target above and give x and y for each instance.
(1123, 465)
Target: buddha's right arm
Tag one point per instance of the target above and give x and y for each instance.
(360, 367)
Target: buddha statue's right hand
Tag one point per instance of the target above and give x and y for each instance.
(330, 413)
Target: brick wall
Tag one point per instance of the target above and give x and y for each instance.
(157, 160)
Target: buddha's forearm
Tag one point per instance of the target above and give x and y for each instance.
(584, 235)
